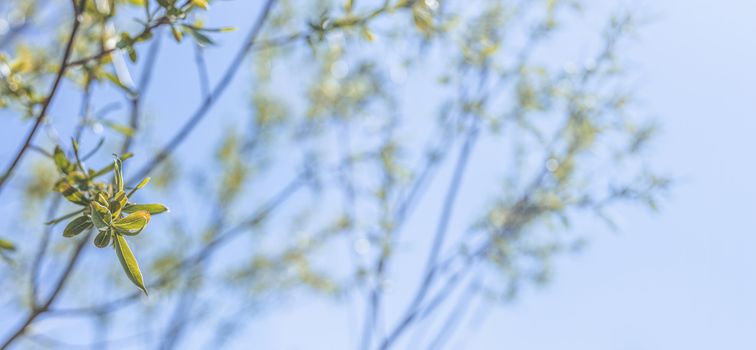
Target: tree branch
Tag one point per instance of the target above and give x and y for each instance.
(46, 104)
(210, 100)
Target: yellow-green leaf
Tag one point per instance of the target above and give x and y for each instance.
(61, 161)
(7, 245)
(77, 226)
(143, 183)
(177, 33)
(133, 223)
(117, 175)
(70, 192)
(150, 208)
(129, 262)
(118, 202)
(101, 216)
(201, 4)
(120, 128)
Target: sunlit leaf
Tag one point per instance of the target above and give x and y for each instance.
(129, 262)
(7, 245)
(201, 4)
(176, 33)
(118, 202)
(117, 175)
(69, 192)
(114, 79)
(141, 184)
(120, 128)
(61, 161)
(101, 216)
(150, 208)
(133, 223)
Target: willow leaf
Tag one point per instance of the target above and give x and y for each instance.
(103, 239)
(150, 208)
(77, 226)
(133, 223)
(129, 262)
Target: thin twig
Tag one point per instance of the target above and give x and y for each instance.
(37, 311)
(210, 100)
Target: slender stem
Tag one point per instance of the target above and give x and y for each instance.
(136, 98)
(438, 241)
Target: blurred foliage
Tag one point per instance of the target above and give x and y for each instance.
(355, 108)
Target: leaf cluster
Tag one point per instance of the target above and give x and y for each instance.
(105, 207)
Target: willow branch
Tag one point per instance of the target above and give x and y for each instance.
(210, 100)
(46, 104)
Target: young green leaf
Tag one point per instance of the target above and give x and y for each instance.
(129, 262)
(61, 162)
(103, 239)
(150, 208)
(201, 4)
(101, 216)
(115, 205)
(133, 223)
(77, 226)
(176, 33)
(7, 245)
(102, 198)
(201, 39)
(139, 186)
(117, 175)
(69, 192)
(120, 128)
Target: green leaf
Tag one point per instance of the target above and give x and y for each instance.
(176, 33)
(123, 129)
(201, 39)
(132, 53)
(7, 245)
(201, 4)
(114, 79)
(118, 202)
(77, 226)
(133, 223)
(101, 216)
(143, 183)
(69, 192)
(117, 175)
(103, 239)
(150, 208)
(102, 198)
(129, 262)
(61, 162)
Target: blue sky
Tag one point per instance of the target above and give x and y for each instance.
(678, 279)
(682, 278)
